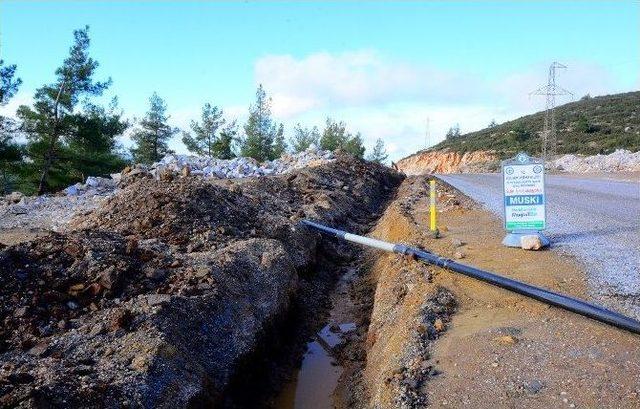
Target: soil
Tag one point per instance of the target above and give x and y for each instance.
(189, 292)
(438, 339)
(172, 292)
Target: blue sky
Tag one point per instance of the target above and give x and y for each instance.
(383, 67)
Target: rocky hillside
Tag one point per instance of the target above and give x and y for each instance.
(446, 161)
(600, 126)
(590, 126)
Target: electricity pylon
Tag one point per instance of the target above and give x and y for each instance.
(427, 136)
(549, 138)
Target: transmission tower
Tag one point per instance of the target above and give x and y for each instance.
(549, 138)
(427, 136)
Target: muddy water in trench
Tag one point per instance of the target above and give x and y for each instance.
(313, 385)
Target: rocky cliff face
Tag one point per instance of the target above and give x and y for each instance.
(445, 161)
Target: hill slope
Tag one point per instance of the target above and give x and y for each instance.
(588, 126)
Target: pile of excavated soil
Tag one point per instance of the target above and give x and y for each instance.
(53, 212)
(159, 296)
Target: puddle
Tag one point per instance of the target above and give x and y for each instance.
(314, 383)
(317, 378)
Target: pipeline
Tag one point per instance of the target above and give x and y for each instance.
(566, 302)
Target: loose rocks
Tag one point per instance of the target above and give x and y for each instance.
(160, 295)
(530, 242)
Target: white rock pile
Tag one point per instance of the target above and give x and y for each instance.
(239, 167)
(54, 211)
(619, 161)
(92, 186)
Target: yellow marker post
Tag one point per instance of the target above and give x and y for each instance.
(432, 207)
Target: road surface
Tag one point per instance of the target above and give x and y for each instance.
(594, 219)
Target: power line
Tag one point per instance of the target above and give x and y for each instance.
(549, 138)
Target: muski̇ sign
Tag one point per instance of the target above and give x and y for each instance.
(524, 198)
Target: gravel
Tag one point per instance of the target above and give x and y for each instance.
(620, 160)
(597, 221)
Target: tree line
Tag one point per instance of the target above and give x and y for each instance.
(68, 136)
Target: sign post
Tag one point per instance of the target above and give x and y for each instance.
(524, 199)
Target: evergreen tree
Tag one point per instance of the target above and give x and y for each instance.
(264, 140)
(335, 136)
(52, 119)
(379, 153)
(223, 146)
(206, 135)
(354, 145)
(279, 143)
(153, 133)
(303, 138)
(8, 84)
(453, 132)
(10, 152)
(492, 124)
(92, 147)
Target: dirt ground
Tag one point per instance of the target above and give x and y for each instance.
(421, 337)
(169, 294)
(504, 350)
(489, 348)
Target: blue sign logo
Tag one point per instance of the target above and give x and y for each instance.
(524, 200)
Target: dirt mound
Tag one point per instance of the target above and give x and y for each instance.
(161, 294)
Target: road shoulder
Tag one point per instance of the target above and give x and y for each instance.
(498, 349)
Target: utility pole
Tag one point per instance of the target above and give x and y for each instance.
(549, 137)
(427, 136)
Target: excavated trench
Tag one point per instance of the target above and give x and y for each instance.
(186, 292)
(194, 293)
(360, 333)
(299, 363)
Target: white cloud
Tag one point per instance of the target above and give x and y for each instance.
(21, 98)
(391, 100)
(359, 78)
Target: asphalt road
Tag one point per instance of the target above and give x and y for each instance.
(596, 220)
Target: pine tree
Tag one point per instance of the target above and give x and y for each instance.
(279, 143)
(354, 146)
(10, 152)
(453, 132)
(52, 118)
(335, 136)
(223, 146)
(379, 153)
(92, 147)
(303, 138)
(8, 84)
(206, 135)
(264, 140)
(153, 133)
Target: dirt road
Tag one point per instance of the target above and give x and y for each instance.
(593, 218)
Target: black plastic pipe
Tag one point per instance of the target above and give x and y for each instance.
(559, 300)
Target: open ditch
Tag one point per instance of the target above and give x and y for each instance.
(363, 336)
(183, 291)
(186, 292)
